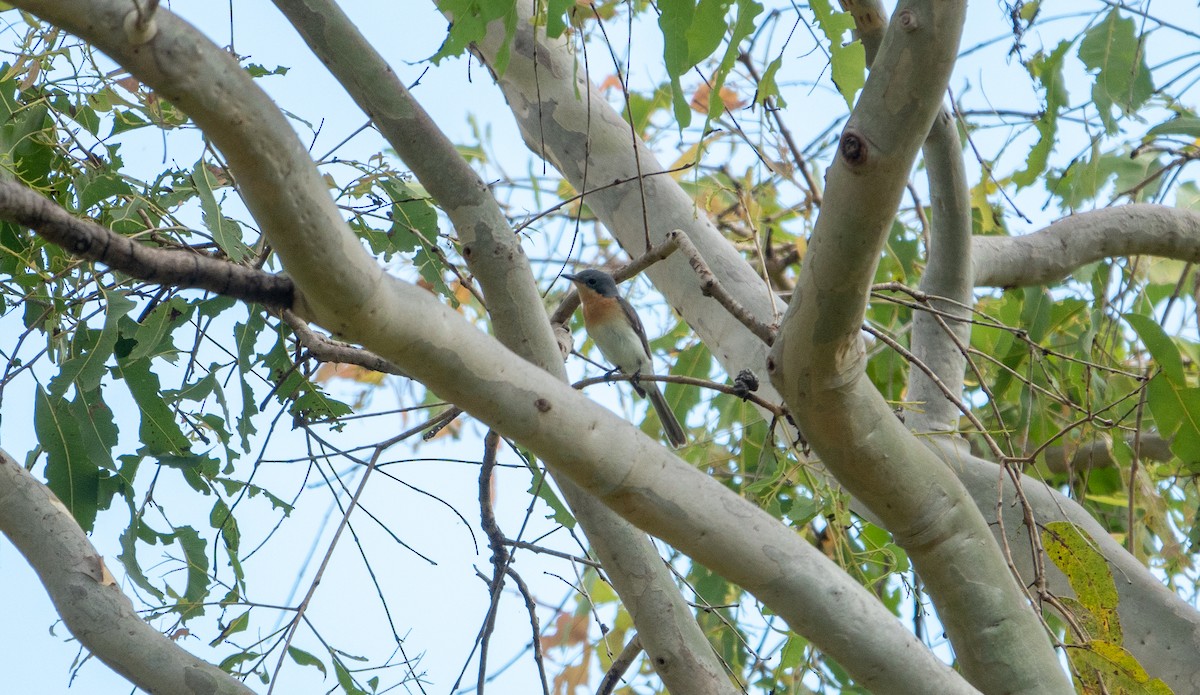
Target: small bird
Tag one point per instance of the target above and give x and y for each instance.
(617, 331)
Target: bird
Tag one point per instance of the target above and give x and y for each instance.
(616, 329)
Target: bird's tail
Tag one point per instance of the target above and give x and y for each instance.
(670, 425)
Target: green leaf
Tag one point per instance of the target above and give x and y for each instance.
(303, 397)
(414, 220)
(152, 337)
(1074, 552)
(469, 25)
(91, 349)
(691, 32)
(849, 59)
(96, 427)
(541, 487)
(305, 659)
(128, 558)
(1188, 126)
(768, 88)
(238, 624)
(743, 26)
(1161, 347)
(93, 186)
(257, 70)
(199, 471)
(345, 679)
(225, 232)
(1176, 411)
(558, 13)
(221, 518)
(1113, 51)
(70, 474)
(430, 267)
(1047, 70)
(1104, 666)
(159, 432)
(191, 604)
(696, 362)
(125, 119)
(246, 336)
(230, 662)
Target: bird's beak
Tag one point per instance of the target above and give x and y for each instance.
(570, 276)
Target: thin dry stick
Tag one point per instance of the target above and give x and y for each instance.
(733, 390)
(1133, 469)
(327, 349)
(500, 555)
(619, 666)
(531, 606)
(312, 588)
(712, 288)
(580, 196)
(533, 547)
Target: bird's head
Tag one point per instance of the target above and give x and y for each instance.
(592, 280)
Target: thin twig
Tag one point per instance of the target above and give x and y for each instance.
(531, 606)
(327, 349)
(731, 389)
(500, 556)
(533, 547)
(619, 666)
(711, 287)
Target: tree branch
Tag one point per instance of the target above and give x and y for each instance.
(818, 363)
(1072, 242)
(1159, 628)
(683, 657)
(88, 598)
(88, 240)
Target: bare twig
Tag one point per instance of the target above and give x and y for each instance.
(619, 666)
(93, 242)
(534, 547)
(327, 349)
(712, 288)
(732, 389)
(531, 606)
(500, 555)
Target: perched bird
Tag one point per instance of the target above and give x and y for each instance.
(616, 329)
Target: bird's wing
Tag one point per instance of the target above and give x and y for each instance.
(635, 322)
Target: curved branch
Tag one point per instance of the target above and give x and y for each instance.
(1072, 242)
(948, 271)
(947, 280)
(87, 597)
(1160, 629)
(682, 656)
(573, 127)
(819, 366)
(93, 242)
